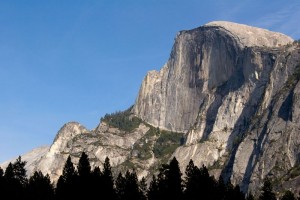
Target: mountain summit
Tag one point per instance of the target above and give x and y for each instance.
(201, 60)
(252, 36)
(228, 98)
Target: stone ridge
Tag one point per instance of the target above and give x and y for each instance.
(32, 159)
(232, 90)
(252, 36)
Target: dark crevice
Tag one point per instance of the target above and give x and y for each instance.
(285, 110)
(233, 84)
(242, 126)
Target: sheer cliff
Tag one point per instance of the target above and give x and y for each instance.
(228, 98)
(233, 89)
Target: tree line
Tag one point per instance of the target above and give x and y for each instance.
(84, 182)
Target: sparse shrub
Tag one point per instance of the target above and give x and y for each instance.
(167, 143)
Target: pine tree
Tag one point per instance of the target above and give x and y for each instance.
(40, 187)
(84, 183)
(67, 181)
(1, 172)
(2, 181)
(97, 172)
(250, 196)
(143, 188)
(175, 180)
(221, 189)
(228, 191)
(199, 183)
(84, 167)
(209, 184)
(20, 171)
(15, 179)
(233, 192)
(69, 171)
(169, 181)
(192, 182)
(288, 195)
(131, 188)
(96, 182)
(9, 182)
(120, 186)
(9, 172)
(108, 182)
(238, 194)
(153, 193)
(267, 191)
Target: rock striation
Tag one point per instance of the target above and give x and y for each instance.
(220, 79)
(104, 141)
(201, 60)
(232, 89)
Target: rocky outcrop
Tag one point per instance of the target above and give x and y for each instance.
(251, 36)
(221, 77)
(271, 144)
(32, 159)
(104, 141)
(201, 60)
(232, 89)
(139, 148)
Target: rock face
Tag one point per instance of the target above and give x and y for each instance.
(252, 36)
(201, 60)
(32, 158)
(224, 85)
(232, 89)
(270, 145)
(139, 149)
(104, 141)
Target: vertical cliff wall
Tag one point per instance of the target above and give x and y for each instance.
(219, 80)
(231, 88)
(201, 60)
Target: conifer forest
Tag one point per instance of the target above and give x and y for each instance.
(82, 182)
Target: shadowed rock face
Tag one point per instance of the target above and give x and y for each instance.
(219, 80)
(233, 89)
(271, 145)
(201, 60)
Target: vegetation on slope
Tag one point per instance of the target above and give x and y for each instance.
(123, 120)
(161, 143)
(166, 143)
(156, 143)
(144, 147)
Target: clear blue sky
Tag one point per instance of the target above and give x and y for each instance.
(75, 60)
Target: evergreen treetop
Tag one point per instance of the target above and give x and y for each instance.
(84, 167)
(267, 191)
(288, 195)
